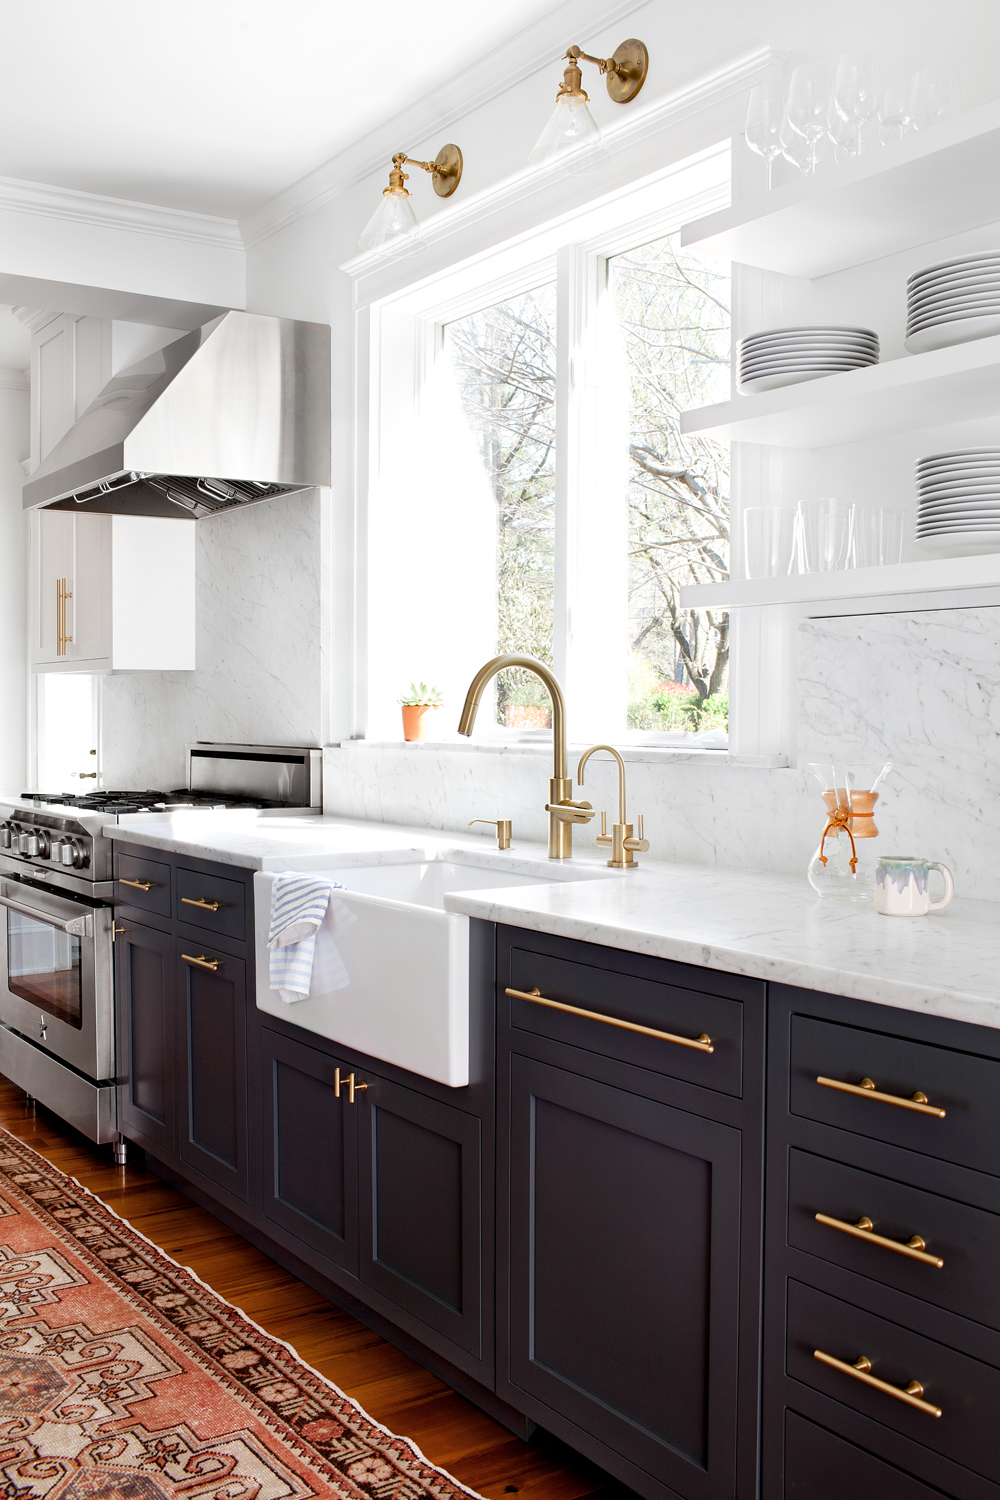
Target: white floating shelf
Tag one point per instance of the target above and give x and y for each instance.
(935, 576)
(942, 180)
(956, 384)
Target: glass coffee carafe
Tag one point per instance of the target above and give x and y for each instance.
(843, 865)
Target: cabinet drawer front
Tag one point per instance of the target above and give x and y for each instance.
(680, 1013)
(821, 1466)
(966, 1088)
(966, 1239)
(135, 875)
(966, 1391)
(212, 902)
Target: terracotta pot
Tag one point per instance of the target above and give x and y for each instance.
(526, 716)
(419, 720)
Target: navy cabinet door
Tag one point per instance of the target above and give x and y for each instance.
(309, 1149)
(421, 1239)
(144, 995)
(624, 1273)
(212, 1072)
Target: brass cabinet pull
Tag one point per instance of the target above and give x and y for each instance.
(915, 1249)
(347, 1082)
(867, 1090)
(702, 1044)
(201, 902)
(140, 885)
(62, 639)
(860, 1370)
(202, 962)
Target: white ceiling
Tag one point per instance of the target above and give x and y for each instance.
(217, 105)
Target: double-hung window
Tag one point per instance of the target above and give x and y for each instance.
(530, 486)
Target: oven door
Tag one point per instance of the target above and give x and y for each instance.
(56, 975)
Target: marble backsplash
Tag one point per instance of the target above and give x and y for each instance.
(260, 674)
(921, 688)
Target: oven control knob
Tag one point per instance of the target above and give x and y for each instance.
(74, 854)
(32, 847)
(22, 843)
(67, 853)
(4, 835)
(44, 842)
(55, 850)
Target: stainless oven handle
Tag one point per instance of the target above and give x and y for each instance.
(76, 926)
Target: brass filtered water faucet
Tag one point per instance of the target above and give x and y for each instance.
(562, 811)
(620, 840)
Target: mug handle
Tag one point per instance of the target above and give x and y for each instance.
(949, 886)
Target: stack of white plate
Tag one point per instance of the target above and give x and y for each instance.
(953, 302)
(959, 502)
(784, 356)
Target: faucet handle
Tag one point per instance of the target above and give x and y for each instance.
(604, 837)
(568, 811)
(502, 826)
(639, 845)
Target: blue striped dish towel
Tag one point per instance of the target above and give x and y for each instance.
(305, 915)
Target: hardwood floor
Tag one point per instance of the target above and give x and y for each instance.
(390, 1386)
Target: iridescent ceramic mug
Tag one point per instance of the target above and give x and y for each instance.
(902, 886)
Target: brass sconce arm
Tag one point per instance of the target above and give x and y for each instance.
(625, 71)
(446, 169)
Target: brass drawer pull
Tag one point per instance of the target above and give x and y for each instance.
(201, 903)
(139, 885)
(867, 1090)
(860, 1371)
(916, 1248)
(702, 1044)
(202, 962)
(348, 1083)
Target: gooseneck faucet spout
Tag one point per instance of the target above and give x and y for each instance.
(562, 811)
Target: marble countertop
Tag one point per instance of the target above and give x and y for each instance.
(765, 926)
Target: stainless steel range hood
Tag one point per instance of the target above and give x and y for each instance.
(236, 412)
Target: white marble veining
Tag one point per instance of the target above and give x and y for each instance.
(260, 674)
(763, 925)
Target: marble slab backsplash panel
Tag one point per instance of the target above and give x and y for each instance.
(922, 688)
(259, 678)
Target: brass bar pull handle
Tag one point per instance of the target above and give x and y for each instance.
(349, 1082)
(202, 962)
(860, 1370)
(915, 1249)
(867, 1090)
(701, 1044)
(59, 617)
(200, 902)
(139, 885)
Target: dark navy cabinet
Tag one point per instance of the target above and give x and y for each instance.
(144, 1010)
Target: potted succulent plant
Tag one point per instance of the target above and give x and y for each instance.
(420, 706)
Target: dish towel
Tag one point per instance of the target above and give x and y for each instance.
(305, 914)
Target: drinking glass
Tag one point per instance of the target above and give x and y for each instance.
(824, 535)
(845, 136)
(763, 126)
(808, 108)
(769, 538)
(895, 105)
(936, 95)
(854, 91)
(878, 535)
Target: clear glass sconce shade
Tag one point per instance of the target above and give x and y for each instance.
(571, 133)
(393, 221)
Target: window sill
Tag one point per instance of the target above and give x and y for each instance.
(542, 750)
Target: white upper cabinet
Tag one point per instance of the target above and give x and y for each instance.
(108, 593)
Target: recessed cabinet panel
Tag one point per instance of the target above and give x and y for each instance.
(821, 1466)
(144, 1007)
(422, 1209)
(310, 1148)
(966, 1087)
(211, 902)
(213, 1049)
(624, 1272)
(143, 884)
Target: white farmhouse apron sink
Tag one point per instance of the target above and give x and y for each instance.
(407, 1001)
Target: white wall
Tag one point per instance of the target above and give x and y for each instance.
(14, 442)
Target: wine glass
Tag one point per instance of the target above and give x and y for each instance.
(795, 148)
(763, 126)
(844, 134)
(855, 94)
(895, 105)
(808, 108)
(936, 95)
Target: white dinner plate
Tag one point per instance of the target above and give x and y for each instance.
(971, 521)
(814, 328)
(969, 281)
(992, 450)
(967, 474)
(959, 331)
(981, 257)
(938, 519)
(807, 357)
(962, 502)
(772, 346)
(971, 288)
(970, 307)
(971, 545)
(985, 458)
(758, 383)
(778, 367)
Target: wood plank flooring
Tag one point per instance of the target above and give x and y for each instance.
(390, 1386)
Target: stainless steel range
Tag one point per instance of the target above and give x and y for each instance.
(57, 892)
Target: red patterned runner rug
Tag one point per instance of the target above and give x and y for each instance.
(124, 1377)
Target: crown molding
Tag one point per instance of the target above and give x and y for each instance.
(41, 198)
(511, 198)
(528, 51)
(13, 380)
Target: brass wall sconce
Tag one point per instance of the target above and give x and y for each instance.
(572, 130)
(394, 219)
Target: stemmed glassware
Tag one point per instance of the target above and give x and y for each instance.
(936, 96)
(808, 108)
(763, 126)
(855, 95)
(895, 105)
